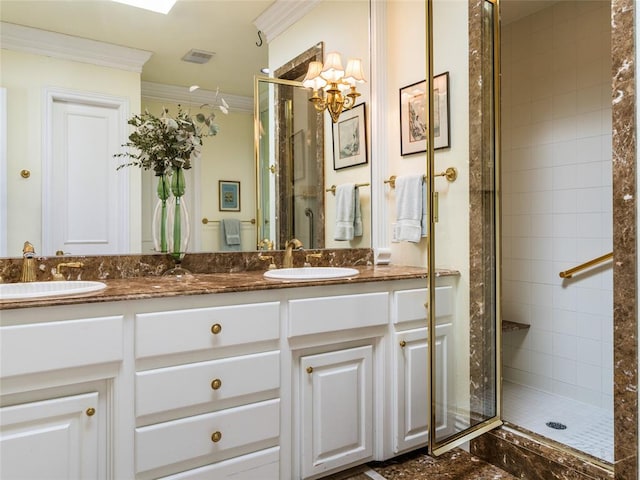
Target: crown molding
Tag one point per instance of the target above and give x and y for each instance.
(281, 15)
(176, 94)
(67, 47)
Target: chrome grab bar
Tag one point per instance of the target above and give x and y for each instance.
(569, 273)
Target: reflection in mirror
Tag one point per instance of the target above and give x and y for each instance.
(27, 74)
(290, 165)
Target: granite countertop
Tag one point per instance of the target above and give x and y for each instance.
(202, 283)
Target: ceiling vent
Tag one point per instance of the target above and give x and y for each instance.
(198, 56)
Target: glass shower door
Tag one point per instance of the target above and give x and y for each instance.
(465, 384)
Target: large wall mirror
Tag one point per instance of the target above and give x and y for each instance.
(223, 28)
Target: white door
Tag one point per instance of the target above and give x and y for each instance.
(52, 439)
(336, 409)
(85, 197)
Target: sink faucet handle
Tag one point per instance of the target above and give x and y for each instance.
(268, 258)
(58, 271)
(265, 244)
(309, 256)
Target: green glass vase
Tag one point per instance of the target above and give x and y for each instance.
(159, 225)
(178, 225)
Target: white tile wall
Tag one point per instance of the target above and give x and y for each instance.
(556, 154)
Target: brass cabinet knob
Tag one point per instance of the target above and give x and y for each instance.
(216, 437)
(216, 328)
(402, 343)
(216, 384)
(90, 412)
(309, 369)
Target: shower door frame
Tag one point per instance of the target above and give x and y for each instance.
(484, 283)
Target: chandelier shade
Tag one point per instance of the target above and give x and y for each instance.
(334, 88)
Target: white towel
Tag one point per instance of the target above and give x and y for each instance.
(348, 215)
(410, 200)
(230, 238)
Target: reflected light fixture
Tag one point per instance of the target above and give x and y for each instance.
(334, 88)
(160, 6)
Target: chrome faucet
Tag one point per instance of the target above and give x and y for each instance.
(28, 263)
(287, 262)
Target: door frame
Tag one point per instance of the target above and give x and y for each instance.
(483, 129)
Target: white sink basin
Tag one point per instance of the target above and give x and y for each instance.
(310, 273)
(10, 291)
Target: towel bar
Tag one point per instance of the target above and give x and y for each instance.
(451, 174)
(205, 220)
(332, 189)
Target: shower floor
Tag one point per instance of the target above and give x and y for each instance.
(588, 428)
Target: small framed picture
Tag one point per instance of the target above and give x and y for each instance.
(441, 135)
(414, 115)
(413, 118)
(350, 138)
(229, 194)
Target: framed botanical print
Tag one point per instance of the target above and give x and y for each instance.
(229, 195)
(414, 115)
(350, 138)
(441, 130)
(413, 118)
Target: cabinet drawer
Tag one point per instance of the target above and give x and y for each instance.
(43, 347)
(182, 331)
(329, 314)
(410, 304)
(261, 465)
(193, 384)
(190, 438)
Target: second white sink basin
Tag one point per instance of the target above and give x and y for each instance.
(310, 273)
(27, 290)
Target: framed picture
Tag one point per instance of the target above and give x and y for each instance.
(350, 138)
(413, 118)
(299, 157)
(441, 135)
(414, 115)
(229, 194)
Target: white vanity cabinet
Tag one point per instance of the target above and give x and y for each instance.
(335, 345)
(410, 417)
(207, 392)
(279, 384)
(58, 375)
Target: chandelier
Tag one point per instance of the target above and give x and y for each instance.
(334, 88)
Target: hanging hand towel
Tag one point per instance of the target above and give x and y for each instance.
(409, 207)
(357, 223)
(230, 238)
(348, 216)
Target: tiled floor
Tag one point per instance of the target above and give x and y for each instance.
(589, 429)
(455, 465)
